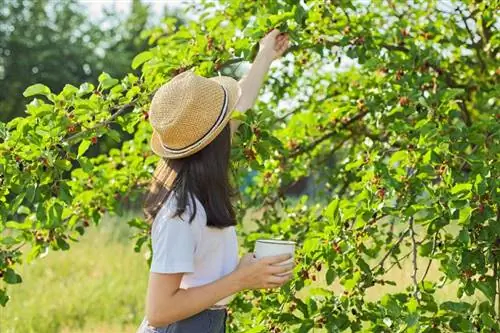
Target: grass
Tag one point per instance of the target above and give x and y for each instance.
(99, 280)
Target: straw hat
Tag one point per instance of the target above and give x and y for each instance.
(188, 112)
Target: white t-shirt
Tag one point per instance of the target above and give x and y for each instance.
(203, 253)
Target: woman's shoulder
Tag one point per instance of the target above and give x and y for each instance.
(169, 209)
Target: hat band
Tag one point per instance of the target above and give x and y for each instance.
(220, 118)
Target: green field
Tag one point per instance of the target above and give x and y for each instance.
(99, 285)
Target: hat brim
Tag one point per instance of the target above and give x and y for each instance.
(234, 93)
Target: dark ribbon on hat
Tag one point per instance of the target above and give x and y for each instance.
(218, 121)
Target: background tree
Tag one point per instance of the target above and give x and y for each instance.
(57, 43)
(403, 147)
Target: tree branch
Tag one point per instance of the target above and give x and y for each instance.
(395, 48)
(326, 136)
(466, 113)
(430, 260)
(346, 15)
(398, 260)
(475, 45)
(381, 262)
(102, 123)
(231, 62)
(18, 248)
(414, 259)
(286, 115)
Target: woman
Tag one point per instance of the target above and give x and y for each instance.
(195, 269)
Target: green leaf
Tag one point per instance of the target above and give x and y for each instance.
(455, 306)
(63, 164)
(463, 237)
(86, 164)
(17, 202)
(69, 90)
(391, 305)
(63, 245)
(9, 241)
(140, 241)
(349, 284)
(487, 320)
(425, 249)
(107, 81)
(306, 326)
(18, 226)
(23, 210)
(85, 88)
(487, 287)
(113, 134)
(401, 155)
(11, 277)
(141, 58)
(289, 318)
(84, 145)
(4, 298)
(36, 89)
(330, 276)
(464, 215)
(302, 307)
(459, 324)
(332, 209)
(463, 187)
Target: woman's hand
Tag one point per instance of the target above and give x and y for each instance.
(263, 273)
(274, 44)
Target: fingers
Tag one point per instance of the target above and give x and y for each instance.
(279, 280)
(249, 256)
(281, 39)
(277, 259)
(282, 44)
(278, 269)
(273, 33)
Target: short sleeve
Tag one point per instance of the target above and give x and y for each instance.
(173, 243)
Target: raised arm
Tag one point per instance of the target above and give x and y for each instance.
(271, 47)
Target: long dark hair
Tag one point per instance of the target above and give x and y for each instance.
(204, 175)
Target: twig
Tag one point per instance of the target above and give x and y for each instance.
(398, 260)
(286, 115)
(381, 263)
(327, 135)
(474, 44)
(475, 147)
(414, 259)
(231, 62)
(101, 123)
(430, 260)
(311, 264)
(346, 15)
(395, 48)
(464, 20)
(337, 147)
(19, 247)
(466, 113)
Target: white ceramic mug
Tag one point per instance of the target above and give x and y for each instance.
(274, 247)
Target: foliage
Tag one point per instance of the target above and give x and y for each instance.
(402, 147)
